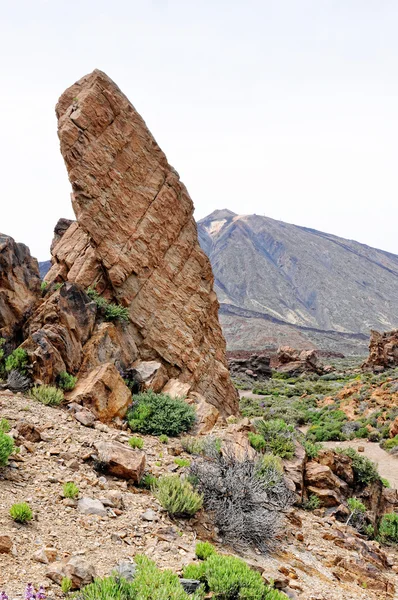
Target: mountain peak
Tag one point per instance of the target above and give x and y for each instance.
(218, 215)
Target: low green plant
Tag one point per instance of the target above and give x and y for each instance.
(70, 490)
(257, 441)
(270, 468)
(66, 585)
(66, 381)
(163, 438)
(369, 531)
(182, 462)
(312, 449)
(177, 496)
(17, 360)
(385, 482)
(148, 481)
(365, 471)
(57, 286)
(4, 426)
(391, 443)
(110, 310)
(388, 530)
(7, 447)
(204, 446)
(277, 435)
(47, 394)
(21, 512)
(157, 414)
(312, 503)
(229, 577)
(204, 549)
(136, 442)
(43, 287)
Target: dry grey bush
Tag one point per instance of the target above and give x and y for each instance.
(16, 382)
(246, 503)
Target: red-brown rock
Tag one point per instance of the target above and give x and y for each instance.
(135, 238)
(19, 285)
(121, 461)
(383, 350)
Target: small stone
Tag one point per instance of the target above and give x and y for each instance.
(85, 417)
(125, 570)
(190, 585)
(5, 544)
(361, 448)
(149, 515)
(91, 506)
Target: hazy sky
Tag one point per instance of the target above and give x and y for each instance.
(286, 108)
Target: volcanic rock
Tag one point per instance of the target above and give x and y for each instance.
(19, 285)
(120, 460)
(256, 365)
(104, 392)
(76, 568)
(135, 239)
(294, 362)
(383, 350)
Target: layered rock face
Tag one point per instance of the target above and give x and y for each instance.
(19, 285)
(383, 350)
(135, 239)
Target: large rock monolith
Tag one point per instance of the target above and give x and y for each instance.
(135, 238)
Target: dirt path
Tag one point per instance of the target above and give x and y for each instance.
(387, 464)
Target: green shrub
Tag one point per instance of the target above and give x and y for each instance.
(66, 381)
(356, 505)
(136, 442)
(47, 394)
(110, 310)
(388, 530)
(204, 549)
(182, 462)
(369, 531)
(312, 449)
(17, 360)
(4, 426)
(270, 468)
(148, 481)
(177, 496)
(43, 287)
(327, 424)
(66, 585)
(7, 447)
(365, 471)
(257, 441)
(312, 503)
(21, 513)
(229, 577)
(157, 414)
(362, 432)
(70, 490)
(163, 439)
(204, 446)
(277, 435)
(391, 443)
(385, 482)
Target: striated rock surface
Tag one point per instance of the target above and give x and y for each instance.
(135, 239)
(19, 285)
(294, 362)
(383, 350)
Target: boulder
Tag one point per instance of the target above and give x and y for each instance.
(206, 414)
(19, 285)
(57, 332)
(104, 392)
(256, 366)
(120, 460)
(339, 464)
(295, 362)
(294, 468)
(109, 343)
(85, 417)
(321, 476)
(135, 239)
(327, 497)
(152, 374)
(59, 230)
(176, 388)
(76, 568)
(383, 350)
(28, 431)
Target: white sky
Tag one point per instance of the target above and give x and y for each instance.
(286, 108)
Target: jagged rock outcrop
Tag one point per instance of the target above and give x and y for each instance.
(256, 366)
(135, 239)
(19, 285)
(294, 362)
(383, 350)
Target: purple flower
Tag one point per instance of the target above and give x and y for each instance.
(30, 592)
(3, 596)
(41, 594)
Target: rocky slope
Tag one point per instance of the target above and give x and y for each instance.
(282, 284)
(314, 557)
